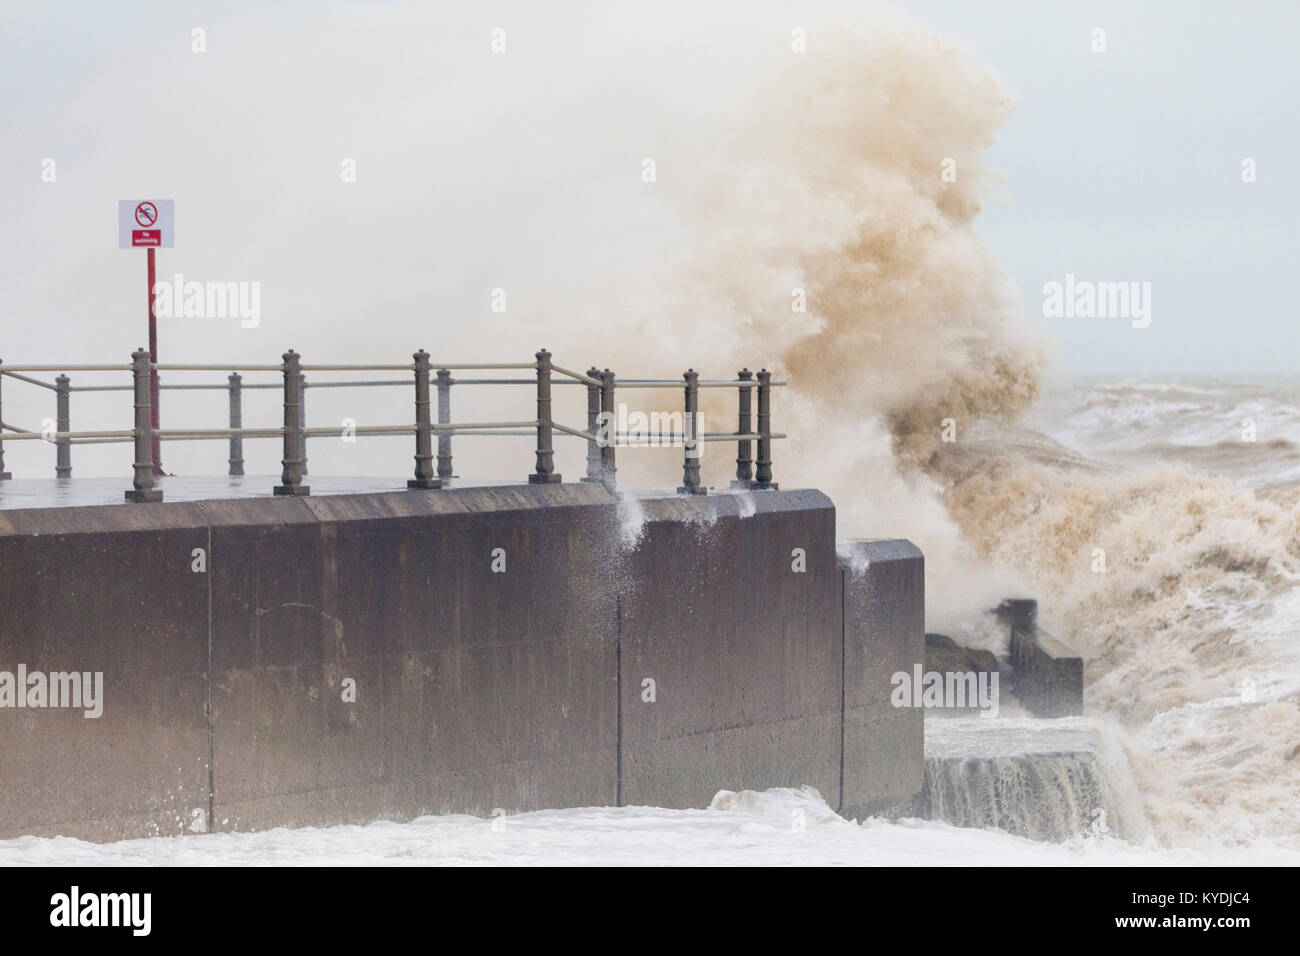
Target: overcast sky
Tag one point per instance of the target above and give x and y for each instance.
(1127, 165)
(1122, 165)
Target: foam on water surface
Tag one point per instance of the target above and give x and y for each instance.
(747, 828)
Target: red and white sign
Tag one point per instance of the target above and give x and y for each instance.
(142, 223)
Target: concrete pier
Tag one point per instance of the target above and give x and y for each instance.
(313, 661)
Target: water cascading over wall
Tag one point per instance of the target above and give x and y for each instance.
(1051, 780)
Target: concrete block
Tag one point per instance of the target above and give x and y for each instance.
(1047, 676)
(883, 633)
(744, 651)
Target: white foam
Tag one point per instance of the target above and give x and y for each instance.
(771, 828)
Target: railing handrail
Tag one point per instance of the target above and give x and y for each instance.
(31, 381)
(670, 383)
(10, 369)
(577, 376)
(294, 432)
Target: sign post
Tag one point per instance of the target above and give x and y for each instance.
(149, 224)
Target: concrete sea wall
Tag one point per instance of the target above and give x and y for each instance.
(338, 659)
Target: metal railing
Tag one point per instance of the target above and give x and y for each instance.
(432, 470)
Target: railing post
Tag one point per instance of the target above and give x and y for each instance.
(608, 463)
(545, 473)
(691, 437)
(62, 423)
(291, 476)
(593, 427)
(444, 418)
(302, 419)
(236, 465)
(423, 427)
(143, 489)
(4, 475)
(745, 424)
(763, 477)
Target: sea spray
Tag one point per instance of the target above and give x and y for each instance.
(1180, 592)
(1167, 582)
